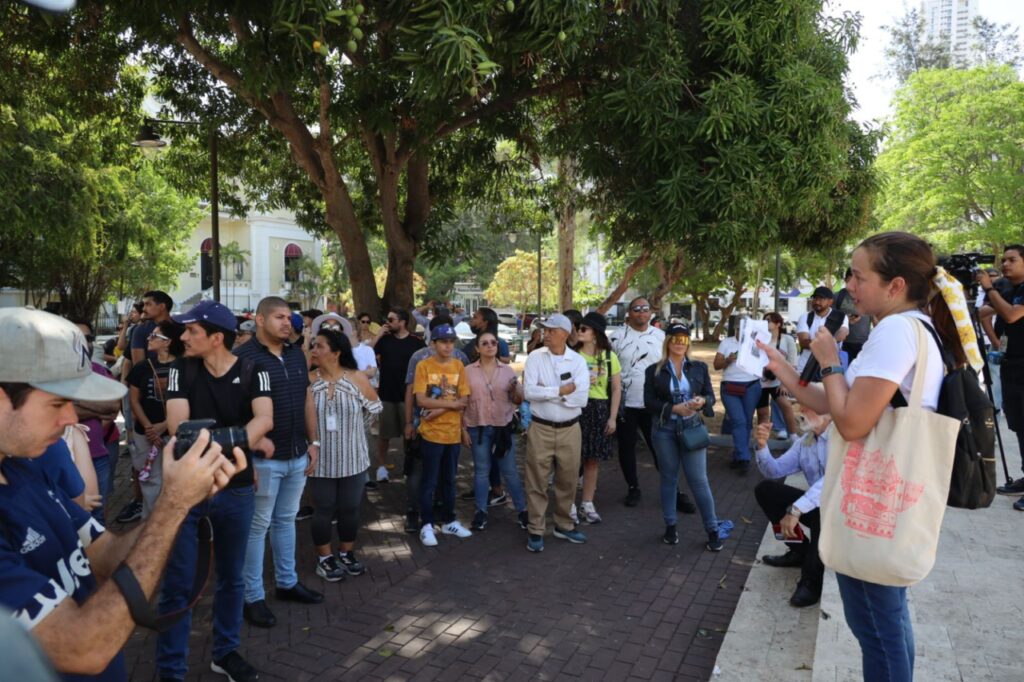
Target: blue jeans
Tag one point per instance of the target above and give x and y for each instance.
(740, 411)
(276, 504)
(879, 618)
(483, 444)
(230, 512)
(440, 463)
(668, 448)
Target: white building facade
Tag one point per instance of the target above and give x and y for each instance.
(951, 23)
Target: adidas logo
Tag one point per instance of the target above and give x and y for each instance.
(237, 381)
(32, 541)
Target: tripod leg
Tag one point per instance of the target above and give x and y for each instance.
(987, 374)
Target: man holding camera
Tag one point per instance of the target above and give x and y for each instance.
(77, 589)
(211, 383)
(1009, 306)
(282, 477)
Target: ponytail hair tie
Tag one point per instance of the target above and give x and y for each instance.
(953, 294)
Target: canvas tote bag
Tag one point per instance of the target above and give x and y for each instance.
(883, 497)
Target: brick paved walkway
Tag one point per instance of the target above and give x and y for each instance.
(623, 606)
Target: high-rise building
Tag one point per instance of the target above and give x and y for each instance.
(951, 23)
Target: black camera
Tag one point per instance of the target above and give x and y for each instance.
(964, 266)
(228, 437)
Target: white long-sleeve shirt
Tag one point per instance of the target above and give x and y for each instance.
(542, 380)
(802, 456)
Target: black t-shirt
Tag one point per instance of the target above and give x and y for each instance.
(151, 393)
(1015, 330)
(226, 399)
(393, 356)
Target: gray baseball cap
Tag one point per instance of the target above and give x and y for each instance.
(49, 353)
(558, 321)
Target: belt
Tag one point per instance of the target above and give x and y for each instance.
(554, 425)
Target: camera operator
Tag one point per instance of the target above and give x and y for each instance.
(1009, 306)
(56, 561)
(212, 383)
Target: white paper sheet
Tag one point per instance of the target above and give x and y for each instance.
(750, 358)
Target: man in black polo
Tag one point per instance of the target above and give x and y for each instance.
(283, 476)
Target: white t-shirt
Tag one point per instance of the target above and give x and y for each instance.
(733, 372)
(891, 354)
(365, 357)
(816, 324)
(637, 351)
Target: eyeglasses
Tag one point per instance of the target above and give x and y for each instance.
(392, 319)
(641, 309)
(154, 335)
(680, 339)
(487, 344)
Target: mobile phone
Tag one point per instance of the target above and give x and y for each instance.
(566, 376)
(800, 537)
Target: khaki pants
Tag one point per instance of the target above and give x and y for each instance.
(548, 447)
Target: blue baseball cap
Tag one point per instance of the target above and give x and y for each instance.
(443, 331)
(212, 312)
(297, 322)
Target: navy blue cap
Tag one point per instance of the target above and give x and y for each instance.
(443, 331)
(212, 312)
(297, 322)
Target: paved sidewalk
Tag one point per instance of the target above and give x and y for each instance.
(623, 606)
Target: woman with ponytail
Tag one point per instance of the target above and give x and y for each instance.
(895, 280)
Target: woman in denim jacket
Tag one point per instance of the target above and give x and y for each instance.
(676, 390)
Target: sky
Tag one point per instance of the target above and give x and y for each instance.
(873, 92)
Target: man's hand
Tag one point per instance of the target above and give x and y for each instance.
(410, 430)
(566, 389)
(983, 278)
(314, 455)
(761, 434)
(788, 526)
(200, 473)
(266, 446)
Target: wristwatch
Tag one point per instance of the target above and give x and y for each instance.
(793, 511)
(833, 369)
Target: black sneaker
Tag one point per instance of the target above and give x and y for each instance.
(671, 537)
(479, 520)
(1012, 488)
(632, 497)
(743, 468)
(1019, 504)
(524, 520)
(714, 542)
(351, 565)
(805, 595)
(412, 523)
(235, 667)
(305, 512)
(495, 500)
(130, 513)
(259, 614)
(372, 485)
(299, 593)
(328, 569)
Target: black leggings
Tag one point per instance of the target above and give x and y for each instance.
(635, 419)
(336, 498)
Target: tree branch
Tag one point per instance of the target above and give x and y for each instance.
(627, 277)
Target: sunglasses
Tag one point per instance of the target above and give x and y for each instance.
(364, 321)
(154, 335)
(487, 344)
(332, 327)
(641, 309)
(392, 319)
(680, 339)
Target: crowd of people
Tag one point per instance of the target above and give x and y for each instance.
(234, 422)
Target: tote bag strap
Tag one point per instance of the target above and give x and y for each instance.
(917, 388)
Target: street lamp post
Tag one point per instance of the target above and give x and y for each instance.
(148, 139)
(539, 309)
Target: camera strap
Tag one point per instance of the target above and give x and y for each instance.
(141, 610)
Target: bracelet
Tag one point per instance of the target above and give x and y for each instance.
(315, 442)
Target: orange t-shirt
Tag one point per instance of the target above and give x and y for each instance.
(441, 382)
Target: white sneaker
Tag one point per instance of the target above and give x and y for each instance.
(382, 474)
(427, 536)
(457, 529)
(590, 513)
(573, 515)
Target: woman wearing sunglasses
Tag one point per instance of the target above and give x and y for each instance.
(494, 394)
(597, 422)
(676, 391)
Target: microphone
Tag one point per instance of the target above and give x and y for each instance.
(833, 324)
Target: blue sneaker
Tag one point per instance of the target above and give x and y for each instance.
(535, 543)
(1019, 504)
(572, 535)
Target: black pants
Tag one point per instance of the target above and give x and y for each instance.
(773, 498)
(635, 418)
(852, 349)
(1011, 377)
(336, 498)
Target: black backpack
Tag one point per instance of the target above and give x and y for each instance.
(973, 481)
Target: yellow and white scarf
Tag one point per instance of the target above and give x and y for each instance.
(953, 293)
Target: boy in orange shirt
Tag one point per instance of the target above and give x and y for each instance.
(441, 392)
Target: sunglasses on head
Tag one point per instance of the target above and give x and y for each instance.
(155, 335)
(641, 309)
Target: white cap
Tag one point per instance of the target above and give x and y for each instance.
(49, 353)
(558, 321)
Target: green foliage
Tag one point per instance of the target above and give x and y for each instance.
(953, 162)
(515, 283)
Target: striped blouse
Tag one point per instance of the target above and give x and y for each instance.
(343, 450)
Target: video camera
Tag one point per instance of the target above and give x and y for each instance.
(964, 266)
(229, 437)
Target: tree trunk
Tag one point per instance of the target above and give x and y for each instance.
(627, 277)
(404, 235)
(354, 249)
(566, 233)
(668, 275)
